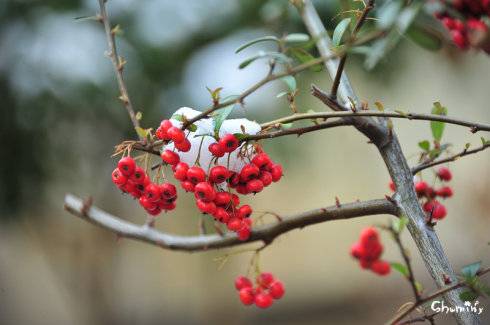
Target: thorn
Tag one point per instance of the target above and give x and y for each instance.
(87, 203)
(337, 202)
(446, 279)
(389, 198)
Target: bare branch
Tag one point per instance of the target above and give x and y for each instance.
(454, 157)
(432, 296)
(265, 233)
(401, 115)
(118, 63)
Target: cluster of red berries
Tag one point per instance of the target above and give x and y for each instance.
(267, 289)
(208, 187)
(472, 23)
(428, 194)
(368, 251)
(132, 179)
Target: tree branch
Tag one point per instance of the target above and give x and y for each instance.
(390, 150)
(434, 295)
(117, 63)
(454, 157)
(401, 115)
(267, 233)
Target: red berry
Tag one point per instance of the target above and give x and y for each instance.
(235, 224)
(444, 174)
(161, 132)
(392, 186)
(180, 172)
(139, 175)
(265, 279)
(255, 186)
(118, 178)
(244, 211)
(276, 172)
(249, 172)
(445, 192)
(244, 233)
(476, 24)
(206, 207)
(222, 198)
(263, 300)
(247, 296)
(459, 39)
(152, 192)
(228, 143)
(170, 157)
(429, 206)
(373, 251)
(168, 191)
(421, 187)
(242, 189)
(147, 204)
(439, 211)
(218, 174)
(261, 160)
(242, 282)
(187, 186)
(176, 134)
(357, 251)
(277, 289)
(127, 166)
(215, 150)
(204, 191)
(369, 236)
(196, 174)
(183, 146)
(235, 199)
(381, 267)
(266, 178)
(167, 206)
(448, 22)
(155, 211)
(221, 215)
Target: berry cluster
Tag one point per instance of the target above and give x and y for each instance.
(468, 30)
(267, 289)
(368, 251)
(132, 179)
(427, 194)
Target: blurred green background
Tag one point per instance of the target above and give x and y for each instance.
(60, 119)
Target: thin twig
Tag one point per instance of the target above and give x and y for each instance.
(265, 233)
(454, 157)
(118, 64)
(432, 296)
(343, 58)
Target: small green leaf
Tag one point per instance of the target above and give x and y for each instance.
(143, 133)
(467, 146)
(303, 56)
(273, 55)
(424, 145)
(178, 117)
(419, 286)
(470, 270)
(240, 136)
(436, 126)
(468, 295)
(400, 268)
(139, 116)
(424, 37)
(290, 81)
(192, 128)
(340, 30)
(257, 40)
(379, 106)
(296, 38)
(286, 125)
(399, 224)
(221, 116)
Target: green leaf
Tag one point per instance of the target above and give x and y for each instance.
(400, 268)
(424, 145)
(240, 136)
(286, 125)
(339, 31)
(303, 56)
(469, 271)
(221, 116)
(436, 126)
(290, 81)
(399, 224)
(139, 116)
(424, 37)
(363, 49)
(379, 106)
(468, 295)
(192, 128)
(296, 38)
(257, 40)
(419, 286)
(178, 117)
(273, 55)
(143, 133)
